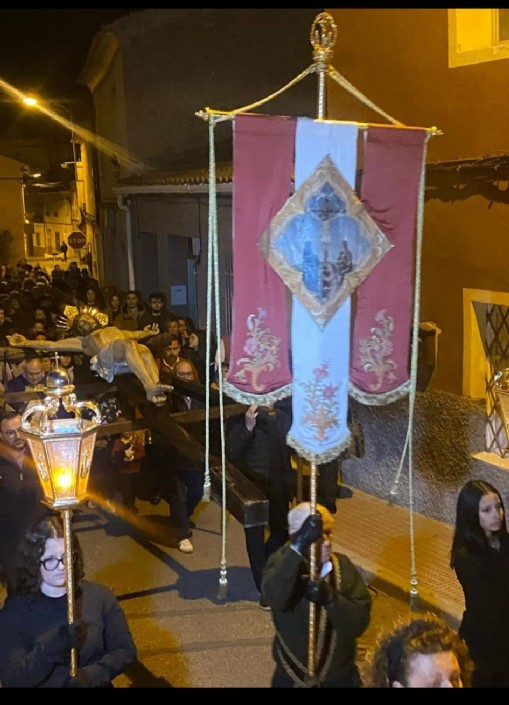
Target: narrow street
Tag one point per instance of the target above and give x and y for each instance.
(186, 635)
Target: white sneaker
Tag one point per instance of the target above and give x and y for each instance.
(186, 546)
(110, 507)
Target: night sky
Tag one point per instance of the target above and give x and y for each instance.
(43, 51)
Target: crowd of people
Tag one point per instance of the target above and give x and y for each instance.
(102, 332)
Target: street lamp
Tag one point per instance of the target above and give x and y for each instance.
(33, 102)
(62, 450)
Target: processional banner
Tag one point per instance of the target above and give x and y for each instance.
(393, 161)
(323, 244)
(263, 163)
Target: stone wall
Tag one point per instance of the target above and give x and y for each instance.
(447, 430)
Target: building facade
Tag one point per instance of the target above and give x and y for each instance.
(11, 210)
(444, 68)
(150, 72)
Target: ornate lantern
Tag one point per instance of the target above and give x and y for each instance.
(62, 449)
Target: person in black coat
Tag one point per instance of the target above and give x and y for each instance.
(256, 444)
(194, 476)
(177, 479)
(156, 316)
(35, 637)
(339, 593)
(480, 558)
(20, 494)
(33, 378)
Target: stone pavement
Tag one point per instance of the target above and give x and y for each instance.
(188, 635)
(376, 536)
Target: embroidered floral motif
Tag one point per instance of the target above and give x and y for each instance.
(375, 351)
(262, 348)
(320, 404)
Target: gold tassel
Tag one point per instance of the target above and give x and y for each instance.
(223, 583)
(206, 491)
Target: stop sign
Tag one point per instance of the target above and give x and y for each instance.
(77, 240)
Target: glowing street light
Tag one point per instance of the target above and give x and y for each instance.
(45, 107)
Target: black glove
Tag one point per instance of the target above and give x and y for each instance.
(64, 639)
(310, 531)
(319, 592)
(75, 633)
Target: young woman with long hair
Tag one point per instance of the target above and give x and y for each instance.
(480, 558)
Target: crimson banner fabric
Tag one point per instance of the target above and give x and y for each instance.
(263, 163)
(324, 243)
(382, 316)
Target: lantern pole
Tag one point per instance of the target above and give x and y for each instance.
(62, 449)
(66, 515)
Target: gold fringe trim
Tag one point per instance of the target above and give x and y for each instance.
(249, 398)
(319, 458)
(379, 399)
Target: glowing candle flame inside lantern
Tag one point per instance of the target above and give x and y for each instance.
(63, 479)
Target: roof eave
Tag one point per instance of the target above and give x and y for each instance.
(132, 190)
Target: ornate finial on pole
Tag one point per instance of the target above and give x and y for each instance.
(323, 35)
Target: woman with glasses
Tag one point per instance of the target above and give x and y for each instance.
(35, 638)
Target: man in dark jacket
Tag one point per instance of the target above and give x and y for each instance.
(156, 317)
(176, 479)
(256, 444)
(32, 378)
(342, 606)
(20, 494)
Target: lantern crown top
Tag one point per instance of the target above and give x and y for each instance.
(57, 381)
(46, 418)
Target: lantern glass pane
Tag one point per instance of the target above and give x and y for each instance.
(41, 464)
(63, 457)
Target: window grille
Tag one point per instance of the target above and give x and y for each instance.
(496, 332)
